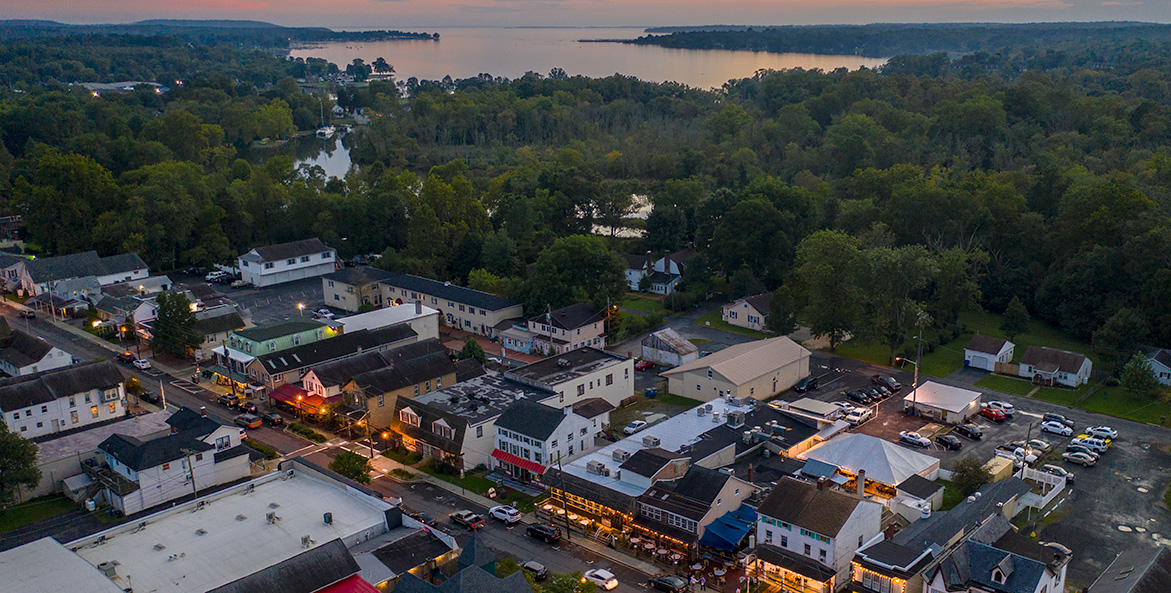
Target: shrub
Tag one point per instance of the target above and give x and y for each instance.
(269, 452)
(309, 433)
(402, 474)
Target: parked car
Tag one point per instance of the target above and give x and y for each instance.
(323, 313)
(601, 577)
(216, 275)
(806, 384)
(423, 518)
(888, 382)
(914, 439)
(504, 513)
(1058, 471)
(126, 357)
(151, 397)
(1005, 407)
(969, 430)
(250, 408)
(248, 421)
(845, 407)
(1051, 417)
(467, 519)
(949, 442)
(141, 364)
(536, 569)
(858, 416)
(1102, 432)
(1079, 458)
(1018, 456)
(994, 414)
(544, 531)
(229, 400)
(634, 426)
(1079, 448)
(1038, 445)
(240, 284)
(668, 583)
(883, 392)
(27, 314)
(644, 365)
(273, 419)
(859, 397)
(1095, 444)
(1056, 427)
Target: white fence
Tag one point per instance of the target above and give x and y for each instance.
(1051, 486)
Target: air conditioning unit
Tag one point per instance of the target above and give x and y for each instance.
(564, 362)
(701, 412)
(596, 467)
(110, 569)
(620, 455)
(650, 441)
(735, 418)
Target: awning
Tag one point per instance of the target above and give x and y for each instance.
(726, 532)
(235, 355)
(520, 462)
(289, 394)
(353, 584)
(818, 469)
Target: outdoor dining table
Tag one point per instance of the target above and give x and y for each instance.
(676, 557)
(573, 516)
(634, 541)
(648, 546)
(560, 511)
(583, 522)
(548, 507)
(718, 572)
(697, 566)
(661, 551)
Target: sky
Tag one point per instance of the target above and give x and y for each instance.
(435, 14)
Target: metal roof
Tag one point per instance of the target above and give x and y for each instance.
(884, 461)
(944, 397)
(744, 362)
(672, 339)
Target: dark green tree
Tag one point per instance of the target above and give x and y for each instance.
(782, 313)
(174, 326)
(1119, 338)
(18, 465)
(473, 349)
(1016, 319)
(1138, 376)
(352, 466)
(894, 278)
(743, 284)
(827, 264)
(574, 269)
(969, 474)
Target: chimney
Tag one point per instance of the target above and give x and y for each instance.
(749, 472)
(418, 308)
(821, 483)
(203, 411)
(861, 483)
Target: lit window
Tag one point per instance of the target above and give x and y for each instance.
(93, 411)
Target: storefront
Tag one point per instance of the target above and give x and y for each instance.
(518, 468)
(792, 573)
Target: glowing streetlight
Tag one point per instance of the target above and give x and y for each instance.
(301, 309)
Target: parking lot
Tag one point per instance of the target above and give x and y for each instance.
(272, 303)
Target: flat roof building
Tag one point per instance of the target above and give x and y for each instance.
(942, 403)
(581, 374)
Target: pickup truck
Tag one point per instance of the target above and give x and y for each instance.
(467, 519)
(1018, 456)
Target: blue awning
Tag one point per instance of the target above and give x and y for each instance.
(728, 531)
(819, 469)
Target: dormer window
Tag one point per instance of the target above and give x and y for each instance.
(441, 428)
(998, 576)
(408, 416)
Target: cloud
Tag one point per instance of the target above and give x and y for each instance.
(1120, 3)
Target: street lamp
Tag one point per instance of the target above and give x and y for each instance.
(301, 309)
(299, 407)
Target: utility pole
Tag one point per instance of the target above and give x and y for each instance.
(564, 499)
(191, 472)
(922, 317)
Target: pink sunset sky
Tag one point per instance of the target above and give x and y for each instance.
(419, 14)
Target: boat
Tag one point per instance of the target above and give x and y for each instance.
(326, 131)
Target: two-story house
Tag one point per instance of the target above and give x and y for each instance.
(531, 436)
(199, 453)
(808, 534)
(474, 311)
(232, 358)
(410, 371)
(579, 375)
(63, 399)
(22, 354)
(558, 332)
(350, 289)
(749, 312)
(39, 275)
(274, 264)
(637, 266)
(214, 326)
(685, 509)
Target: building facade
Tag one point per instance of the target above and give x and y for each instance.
(757, 370)
(530, 437)
(558, 332)
(579, 375)
(276, 264)
(474, 311)
(350, 289)
(22, 354)
(63, 399)
(749, 312)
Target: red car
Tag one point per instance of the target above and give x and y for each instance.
(644, 365)
(994, 414)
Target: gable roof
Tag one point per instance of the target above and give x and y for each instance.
(339, 372)
(77, 265)
(636, 262)
(411, 551)
(1052, 359)
(291, 249)
(20, 349)
(702, 484)
(279, 329)
(743, 362)
(1160, 355)
(760, 302)
(531, 419)
(974, 563)
(449, 291)
(427, 416)
(682, 256)
(313, 353)
(354, 275)
(569, 318)
(883, 460)
(219, 324)
(475, 553)
(986, 344)
(594, 406)
(410, 364)
(800, 503)
(672, 340)
(47, 386)
(468, 368)
(141, 455)
(648, 462)
(1138, 570)
(189, 421)
(307, 572)
(942, 526)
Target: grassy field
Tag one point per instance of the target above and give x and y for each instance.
(941, 363)
(1116, 401)
(713, 318)
(34, 510)
(644, 304)
(1006, 384)
(1039, 334)
(469, 482)
(1061, 395)
(666, 404)
(951, 495)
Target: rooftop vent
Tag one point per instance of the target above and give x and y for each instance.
(701, 412)
(241, 518)
(274, 505)
(306, 541)
(327, 518)
(651, 441)
(563, 362)
(160, 547)
(110, 569)
(598, 468)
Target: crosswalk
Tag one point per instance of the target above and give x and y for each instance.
(187, 386)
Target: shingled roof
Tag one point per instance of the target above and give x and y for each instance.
(447, 291)
(531, 419)
(569, 318)
(77, 265)
(1052, 359)
(307, 572)
(141, 455)
(308, 355)
(986, 344)
(20, 349)
(802, 504)
(291, 249)
(47, 386)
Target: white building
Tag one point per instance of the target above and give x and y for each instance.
(274, 264)
(808, 534)
(62, 399)
(748, 312)
(756, 369)
(1050, 366)
(199, 453)
(581, 374)
(943, 403)
(424, 320)
(530, 437)
(559, 331)
(474, 311)
(668, 348)
(350, 289)
(45, 566)
(886, 465)
(22, 354)
(37, 275)
(983, 352)
(1160, 359)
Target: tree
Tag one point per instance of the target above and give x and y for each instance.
(1016, 319)
(18, 465)
(473, 349)
(969, 474)
(893, 277)
(957, 285)
(174, 326)
(1138, 375)
(568, 583)
(352, 466)
(782, 314)
(744, 284)
(1120, 336)
(574, 269)
(275, 120)
(826, 267)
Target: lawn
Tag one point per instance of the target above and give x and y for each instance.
(473, 483)
(951, 495)
(644, 304)
(666, 404)
(1116, 401)
(1061, 395)
(404, 456)
(33, 511)
(1040, 334)
(1006, 384)
(714, 319)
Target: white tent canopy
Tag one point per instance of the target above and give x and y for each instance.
(884, 462)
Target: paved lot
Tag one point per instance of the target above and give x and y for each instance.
(277, 303)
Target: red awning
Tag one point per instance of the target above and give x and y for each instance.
(289, 393)
(353, 584)
(520, 462)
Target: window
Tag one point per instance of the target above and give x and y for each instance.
(73, 416)
(626, 373)
(570, 448)
(998, 576)
(199, 456)
(28, 413)
(304, 258)
(268, 265)
(296, 340)
(416, 389)
(610, 379)
(583, 431)
(439, 383)
(537, 456)
(461, 308)
(768, 536)
(591, 384)
(113, 407)
(87, 398)
(325, 255)
(479, 431)
(428, 386)
(698, 387)
(719, 501)
(40, 424)
(331, 283)
(16, 416)
(291, 261)
(652, 513)
(554, 445)
(44, 409)
(166, 466)
(337, 297)
(23, 429)
(709, 373)
(271, 346)
(784, 541)
(93, 411)
(737, 491)
(581, 390)
(381, 399)
(808, 549)
(821, 554)
(441, 428)
(407, 416)
(72, 401)
(222, 443)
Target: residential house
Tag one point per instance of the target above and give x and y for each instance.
(983, 352)
(241, 348)
(350, 289)
(22, 354)
(476, 574)
(11, 266)
(424, 320)
(457, 424)
(327, 378)
(748, 312)
(666, 347)
(473, 311)
(410, 371)
(597, 411)
(275, 264)
(637, 266)
(199, 453)
(581, 374)
(1138, 570)
(530, 437)
(662, 282)
(758, 369)
(290, 366)
(62, 399)
(808, 534)
(1050, 366)
(213, 327)
(558, 332)
(675, 262)
(703, 507)
(38, 274)
(1160, 359)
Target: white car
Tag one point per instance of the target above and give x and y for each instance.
(1056, 427)
(141, 364)
(505, 513)
(1091, 443)
(1005, 407)
(216, 275)
(845, 407)
(1102, 432)
(858, 416)
(634, 426)
(915, 439)
(601, 577)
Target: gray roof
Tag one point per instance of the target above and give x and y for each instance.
(892, 554)
(556, 370)
(76, 265)
(314, 353)
(468, 368)
(20, 349)
(1138, 570)
(569, 318)
(220, 323)
(47, 386)
(985, 344)
(307, 572)
(141, 455)
(271, 331)
(637, 262)
(972, 563)
(800, 503)
(483, 398)
(364, 274)
(594, 406)
(448, 291)
(1052, 359)
(411, 551)
(189, 421)
(469, 580)
(760, 302)
(802, 565)
(1161, 355)
(427, 416)
(920, 487)
(648, 462)
(476, 553)
(702, 484)
(531, 419)
(339, 372)
(944, 525)
(670, 338)
(409, 364)
(292, 249)
(589, 490)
